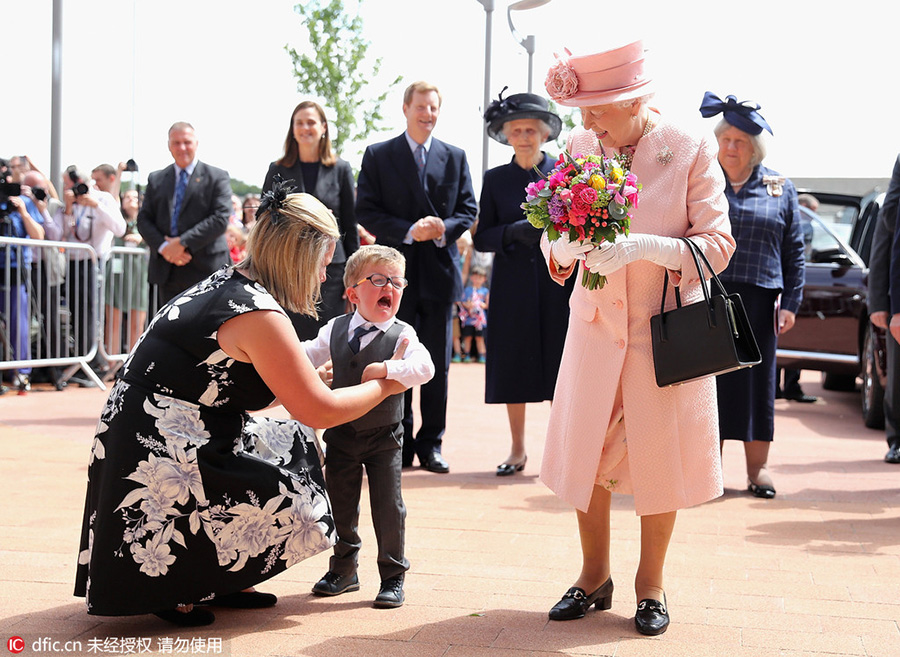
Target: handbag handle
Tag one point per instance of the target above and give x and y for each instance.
(698, 255)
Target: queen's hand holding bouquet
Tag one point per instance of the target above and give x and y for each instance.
(582, 203)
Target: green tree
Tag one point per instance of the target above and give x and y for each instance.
(241, 188)
(338, 69)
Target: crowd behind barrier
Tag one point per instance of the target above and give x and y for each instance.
(63, 310)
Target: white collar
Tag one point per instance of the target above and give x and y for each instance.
(359, 320)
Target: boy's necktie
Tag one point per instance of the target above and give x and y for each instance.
(358, 333)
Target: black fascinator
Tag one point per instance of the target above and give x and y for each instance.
(519, 106)
(273, 200)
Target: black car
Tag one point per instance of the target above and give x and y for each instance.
(833, 333)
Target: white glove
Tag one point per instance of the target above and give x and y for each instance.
(612, 256)
(565, 252)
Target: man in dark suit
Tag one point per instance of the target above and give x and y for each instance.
(884, 301)
(184, 217)
(415, 194)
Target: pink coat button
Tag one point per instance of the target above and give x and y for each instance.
(620, 304)
(620, 344)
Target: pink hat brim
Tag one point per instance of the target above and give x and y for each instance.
(586, 99)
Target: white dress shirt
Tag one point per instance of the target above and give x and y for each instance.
(414, 369)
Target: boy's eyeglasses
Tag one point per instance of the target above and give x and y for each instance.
(380, 280)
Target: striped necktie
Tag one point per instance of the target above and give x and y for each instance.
(420, 160)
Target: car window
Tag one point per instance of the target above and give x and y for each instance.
(818, 239)
(840, 218)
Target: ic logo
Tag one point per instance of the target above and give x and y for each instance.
(16, 644)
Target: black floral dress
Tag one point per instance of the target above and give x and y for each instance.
(188, 496)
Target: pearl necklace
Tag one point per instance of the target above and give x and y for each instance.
(737, 185)
(627, 152)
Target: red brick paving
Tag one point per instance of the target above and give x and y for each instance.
(814, 572)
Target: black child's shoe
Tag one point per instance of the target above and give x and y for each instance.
(391, 593)
(334, 584)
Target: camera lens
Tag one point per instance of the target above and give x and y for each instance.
(80, 189)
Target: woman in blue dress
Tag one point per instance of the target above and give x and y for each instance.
(529, 311)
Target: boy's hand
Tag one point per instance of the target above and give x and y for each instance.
(374, 371)
(400, 351)
(326, 372)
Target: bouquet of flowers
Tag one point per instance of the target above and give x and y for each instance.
(584, 198)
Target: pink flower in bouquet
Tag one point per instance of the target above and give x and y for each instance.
(534, 188)
(562, 81)
(583, 197)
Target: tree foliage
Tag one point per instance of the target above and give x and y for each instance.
(241, 188)
(339, 70)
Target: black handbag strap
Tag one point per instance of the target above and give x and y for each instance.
(697, 255)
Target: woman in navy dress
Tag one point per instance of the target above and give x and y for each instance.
(767, 270)
(529, 312)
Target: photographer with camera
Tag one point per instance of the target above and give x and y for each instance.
(19, 217)
(48, 278)
(89, 216)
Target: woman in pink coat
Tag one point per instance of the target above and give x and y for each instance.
(606, 389)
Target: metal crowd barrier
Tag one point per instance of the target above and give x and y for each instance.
(60, 307)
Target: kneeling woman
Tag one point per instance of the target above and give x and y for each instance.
(189, 500)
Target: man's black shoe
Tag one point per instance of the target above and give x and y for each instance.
(893, 454)
(335, 584)
(434, 462)
(798, 395)
(391, 593)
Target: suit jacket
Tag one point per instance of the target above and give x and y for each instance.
(336, 189)
(204, 215)
(884, 280)
(390, 199)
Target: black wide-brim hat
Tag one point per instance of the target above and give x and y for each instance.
(520, 106)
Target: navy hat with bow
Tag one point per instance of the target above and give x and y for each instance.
(742, 115)
(519, 106)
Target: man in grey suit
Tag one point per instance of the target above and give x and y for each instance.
(881, 290)
(184, 217)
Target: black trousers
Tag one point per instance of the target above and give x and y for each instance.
(431, 320)
(892, 393)
(378, 451)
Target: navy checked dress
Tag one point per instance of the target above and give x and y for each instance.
(767, 266)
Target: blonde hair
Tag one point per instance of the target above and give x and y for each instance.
(367, 256)
(286, 247)
(422, 87)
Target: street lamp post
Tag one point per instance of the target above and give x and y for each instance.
(526, 42)
(488, 11)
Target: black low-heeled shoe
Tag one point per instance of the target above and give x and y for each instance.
(196, 617)
(244, 600)
(651, 617)
(506, 469)
(764, 491)
(576, 602)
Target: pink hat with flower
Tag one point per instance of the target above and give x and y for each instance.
(601, 78)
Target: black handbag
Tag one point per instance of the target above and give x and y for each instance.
(702, 339)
